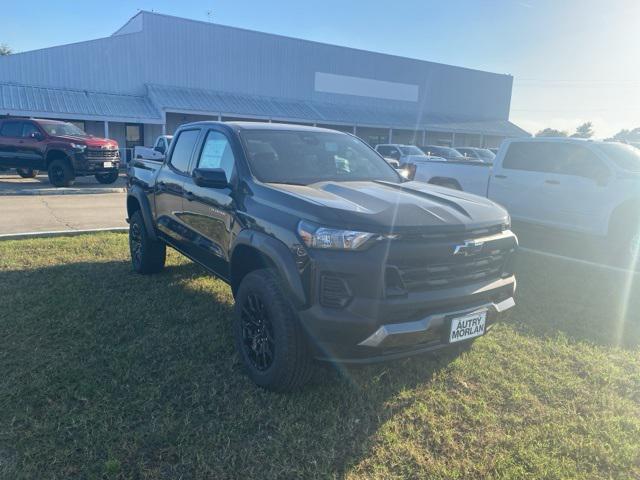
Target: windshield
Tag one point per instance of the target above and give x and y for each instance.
(306, 157)
(625, 156)
(63, 129)
(411, 150)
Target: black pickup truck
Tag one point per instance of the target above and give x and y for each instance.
(329, 252)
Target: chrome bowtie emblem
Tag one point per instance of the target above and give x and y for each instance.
(468, 248)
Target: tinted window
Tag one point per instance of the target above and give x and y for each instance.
(530, 156)
(11, 129)
(383, 150)
(28, 129)
(625, 156)
(217, 153)
(305, 157)
(554, 157)
(183, 149)
(579, 161)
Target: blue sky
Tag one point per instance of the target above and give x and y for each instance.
(572, 60)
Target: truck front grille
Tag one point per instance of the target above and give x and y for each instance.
(439, 268)
(102, 154)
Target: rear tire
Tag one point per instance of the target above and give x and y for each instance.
(107, 178)
(268, 335)
(27, 172)
(60, 173)
(147, 255)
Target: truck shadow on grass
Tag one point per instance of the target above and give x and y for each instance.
(119, 374)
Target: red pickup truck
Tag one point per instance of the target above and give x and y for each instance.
(60, 148)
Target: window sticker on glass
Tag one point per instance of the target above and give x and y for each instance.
(212, 153)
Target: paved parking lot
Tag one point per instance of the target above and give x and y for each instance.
(33, 205)
(12, 184)
(47, 213)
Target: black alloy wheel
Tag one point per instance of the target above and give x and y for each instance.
(257, 333)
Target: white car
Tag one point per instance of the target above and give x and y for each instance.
(579, 186)
(157, 152)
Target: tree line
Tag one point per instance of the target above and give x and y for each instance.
(586, 131)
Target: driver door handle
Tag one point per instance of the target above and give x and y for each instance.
(499, 176)
(552, 182)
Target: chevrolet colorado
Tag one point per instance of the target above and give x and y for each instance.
(329, 253)
(60, 148)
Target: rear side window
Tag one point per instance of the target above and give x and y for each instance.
(181, 156)
(11, 129)
(530, 156)
(217, 153)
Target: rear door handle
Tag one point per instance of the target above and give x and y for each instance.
(499, 176)
(552, 182)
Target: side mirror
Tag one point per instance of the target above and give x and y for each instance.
(210, 177)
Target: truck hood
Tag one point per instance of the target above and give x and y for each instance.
(384, 207)
(91, 142)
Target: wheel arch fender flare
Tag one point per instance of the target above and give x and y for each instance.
(628, 207)
(280, 256)
(136, 193)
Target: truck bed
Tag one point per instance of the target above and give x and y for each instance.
(472, 177)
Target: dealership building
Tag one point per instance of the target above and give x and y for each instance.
(158, 72)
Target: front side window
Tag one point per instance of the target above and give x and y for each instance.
(217, 153)
(625, 156)
(579, 161)
(11, 129)
(303, 158)
(182, 151)
(29, 129)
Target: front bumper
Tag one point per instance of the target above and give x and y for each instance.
(399, 328)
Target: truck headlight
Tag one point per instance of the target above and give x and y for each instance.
(79, 146)
(314, 236)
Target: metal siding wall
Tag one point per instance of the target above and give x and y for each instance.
(179, 52)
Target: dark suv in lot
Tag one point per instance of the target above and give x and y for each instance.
(60, 148)
(329, 252)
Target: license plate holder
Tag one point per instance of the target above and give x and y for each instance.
(467, 326)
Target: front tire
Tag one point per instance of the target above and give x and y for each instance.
(147, 255)
(268, 335)
(60, 173)
(107, 178)
(27, 172)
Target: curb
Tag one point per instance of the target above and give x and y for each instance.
(60, 191)
(59, 233)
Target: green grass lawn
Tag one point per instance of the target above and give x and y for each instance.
(107, 374)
